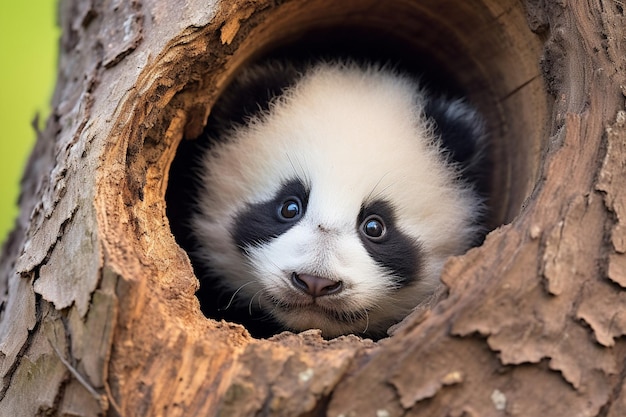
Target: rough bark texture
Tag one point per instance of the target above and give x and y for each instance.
(98, 310)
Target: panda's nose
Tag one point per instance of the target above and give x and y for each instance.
(315, 286)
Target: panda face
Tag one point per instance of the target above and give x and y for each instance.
(320, 266)
(336, 207)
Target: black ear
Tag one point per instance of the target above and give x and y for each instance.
(462, 132)
(250, 93)
(460, 127)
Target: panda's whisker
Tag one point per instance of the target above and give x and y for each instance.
(301, 172)
(252, 300)
(367, 321)
(369, 197)
(230, 302)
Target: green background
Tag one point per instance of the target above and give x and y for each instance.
(28, 47)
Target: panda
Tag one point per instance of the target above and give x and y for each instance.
(330, 194)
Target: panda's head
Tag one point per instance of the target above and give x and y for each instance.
(333, 201)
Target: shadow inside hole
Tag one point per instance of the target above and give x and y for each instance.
(362, 44)
(356, 43)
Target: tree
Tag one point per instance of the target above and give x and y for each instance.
(99, 314)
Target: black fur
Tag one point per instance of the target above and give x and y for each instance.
(250, 94)
(462, 133)
(396, 252)
(260, 222)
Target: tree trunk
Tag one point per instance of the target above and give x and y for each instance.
(99, 315)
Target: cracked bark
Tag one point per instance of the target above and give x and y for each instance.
(98, 310)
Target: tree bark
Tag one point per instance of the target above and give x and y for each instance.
(99, 315)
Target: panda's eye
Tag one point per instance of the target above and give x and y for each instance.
(373, 227)
(290, 209)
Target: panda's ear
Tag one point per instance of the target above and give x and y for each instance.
(463, 135)
(460, 127)
(251, 92)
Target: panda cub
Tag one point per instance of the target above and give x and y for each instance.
(330, 196)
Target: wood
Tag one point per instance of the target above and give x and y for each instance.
(98, 312)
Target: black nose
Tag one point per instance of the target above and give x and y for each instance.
(314, 285)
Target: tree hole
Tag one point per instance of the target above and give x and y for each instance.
(483, 52)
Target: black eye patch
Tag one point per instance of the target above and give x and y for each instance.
(393, 250)
(261, 222)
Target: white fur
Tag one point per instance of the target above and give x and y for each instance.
(354, 135)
